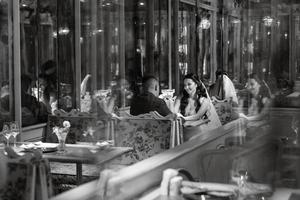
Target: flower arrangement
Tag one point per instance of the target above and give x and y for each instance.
(61, 132)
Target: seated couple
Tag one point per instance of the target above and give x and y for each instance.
(194, 105)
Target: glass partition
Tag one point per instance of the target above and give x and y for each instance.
(187, 38)
(38, 42)
(161, 42)
(233, 45)
(120, 43)
(297, 46)
(204, 30)
(136, 35)
(65, 55)
(100, 46)
(6, 65)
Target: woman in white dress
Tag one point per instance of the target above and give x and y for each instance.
(196, 109)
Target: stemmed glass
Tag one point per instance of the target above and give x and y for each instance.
(6, 132)
(15, 130)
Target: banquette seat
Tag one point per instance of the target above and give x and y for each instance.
(147, 134)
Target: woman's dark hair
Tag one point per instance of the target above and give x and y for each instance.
(200, 92)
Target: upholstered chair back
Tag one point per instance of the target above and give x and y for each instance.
(147, 134)
(28, 178)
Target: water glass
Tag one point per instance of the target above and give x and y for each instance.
(6, 132)
(243, 178)
(15, 130)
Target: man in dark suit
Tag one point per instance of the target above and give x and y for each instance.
(148, 101)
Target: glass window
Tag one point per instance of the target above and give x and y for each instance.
(233, 45)
(187, 39)
(135, 43)
(101, 48)
(65, 75)
(6, 66)
(204, 31)
(38, 37)
(161, 42)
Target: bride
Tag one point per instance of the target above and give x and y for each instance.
(195, 108)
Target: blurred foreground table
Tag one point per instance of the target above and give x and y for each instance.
(85, 154)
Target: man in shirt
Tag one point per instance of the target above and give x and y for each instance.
(148, 101)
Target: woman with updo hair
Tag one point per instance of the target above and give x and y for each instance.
(195, 107)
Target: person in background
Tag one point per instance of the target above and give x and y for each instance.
(195, 106)
(4, 89)
(33, 111)
(47, 83)
(223, 88)
(4, 99)
(148, 100)
(122, 92)
(260, 100)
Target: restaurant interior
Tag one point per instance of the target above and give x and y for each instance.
(76, 77)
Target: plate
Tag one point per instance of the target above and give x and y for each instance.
(44, 147)
(220, 194)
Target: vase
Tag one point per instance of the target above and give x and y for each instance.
(61, 136)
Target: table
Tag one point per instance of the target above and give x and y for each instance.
(85, 154)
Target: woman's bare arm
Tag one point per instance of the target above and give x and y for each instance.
(202, 110)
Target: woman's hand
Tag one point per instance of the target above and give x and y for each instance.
(242, 115)
(180, 115)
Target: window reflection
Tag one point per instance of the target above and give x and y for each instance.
(100, 45)
(38, 59)
(6, 73)
(186, 33)
(205, 44)
(233, 45)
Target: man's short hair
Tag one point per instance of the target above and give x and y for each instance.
(148, 81)
(220, 71)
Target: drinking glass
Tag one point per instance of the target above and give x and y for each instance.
(243, 178)
(6, 132)
(168, 93)
(15, 130)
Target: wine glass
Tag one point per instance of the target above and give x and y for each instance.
(6, 132)
(15, 130)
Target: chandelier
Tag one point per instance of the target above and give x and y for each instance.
(204, 23)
